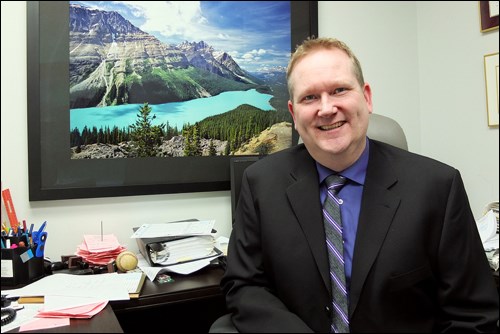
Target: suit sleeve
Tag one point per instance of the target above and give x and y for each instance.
(467, 302)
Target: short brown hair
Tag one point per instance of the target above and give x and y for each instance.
(313, 44)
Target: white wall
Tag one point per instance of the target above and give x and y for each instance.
(383, 36)
(423, 60)
(453, 116)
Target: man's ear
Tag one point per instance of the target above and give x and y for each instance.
(367, 92)
(290, 109)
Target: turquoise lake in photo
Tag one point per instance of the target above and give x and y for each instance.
(176, 113)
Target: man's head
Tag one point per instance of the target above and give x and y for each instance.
(329, 101)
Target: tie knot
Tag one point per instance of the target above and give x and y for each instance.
(335, 182)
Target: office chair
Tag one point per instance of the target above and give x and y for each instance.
(387, 130)
(381, 128)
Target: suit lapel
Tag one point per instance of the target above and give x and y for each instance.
(303, 195)
(378, 207)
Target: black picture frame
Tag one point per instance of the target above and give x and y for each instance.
(53, 175)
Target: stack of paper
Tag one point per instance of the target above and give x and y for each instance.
(487, 226)
(99, 249)
(182, 250)
(494, 207)
(175, 229)
(70, 296)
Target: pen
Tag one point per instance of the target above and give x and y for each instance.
(30, 235)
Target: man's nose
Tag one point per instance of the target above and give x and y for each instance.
(328, 106)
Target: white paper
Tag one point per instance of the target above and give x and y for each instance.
(491, 244)
(185, 249)
(103, 286)
(160, 230)
(494, 8)
(131, 280)
(183, 268)
(222, 243)
(56, 303)
(487, 227)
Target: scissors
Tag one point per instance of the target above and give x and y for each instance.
(39, 238)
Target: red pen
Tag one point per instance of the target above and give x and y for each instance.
(24, 226)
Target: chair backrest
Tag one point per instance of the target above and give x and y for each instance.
(385, 129)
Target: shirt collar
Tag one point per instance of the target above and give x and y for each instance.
(356, 172)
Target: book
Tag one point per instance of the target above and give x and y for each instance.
(135, 283)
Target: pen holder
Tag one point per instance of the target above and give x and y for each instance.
(20, 265)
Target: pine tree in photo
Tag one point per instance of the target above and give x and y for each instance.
(146, 136)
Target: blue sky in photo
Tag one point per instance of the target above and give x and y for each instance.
(255, 34)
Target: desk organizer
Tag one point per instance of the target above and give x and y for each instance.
(20, 265)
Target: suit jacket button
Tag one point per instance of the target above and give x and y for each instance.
(327, 309)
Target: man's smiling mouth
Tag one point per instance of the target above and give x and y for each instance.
(332, 126)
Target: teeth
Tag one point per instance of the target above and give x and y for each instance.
(330, 127)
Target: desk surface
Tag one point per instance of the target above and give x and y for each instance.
(103, 322)
(199, 285)
(190, 304)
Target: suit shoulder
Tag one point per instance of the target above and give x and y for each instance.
(408, 159)
(281, 161)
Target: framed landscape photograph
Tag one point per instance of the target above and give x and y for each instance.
(136, 98)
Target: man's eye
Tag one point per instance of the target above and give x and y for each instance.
(339, 90)
(309, 97)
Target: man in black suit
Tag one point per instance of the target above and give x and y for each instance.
(414, 261)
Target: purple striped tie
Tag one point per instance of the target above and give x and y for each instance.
(333, 231)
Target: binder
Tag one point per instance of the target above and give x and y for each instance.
(149, 246)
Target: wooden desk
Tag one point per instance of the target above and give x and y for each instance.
(103, 322)
(189, 304)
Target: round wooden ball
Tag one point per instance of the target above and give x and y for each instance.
(126, 261)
